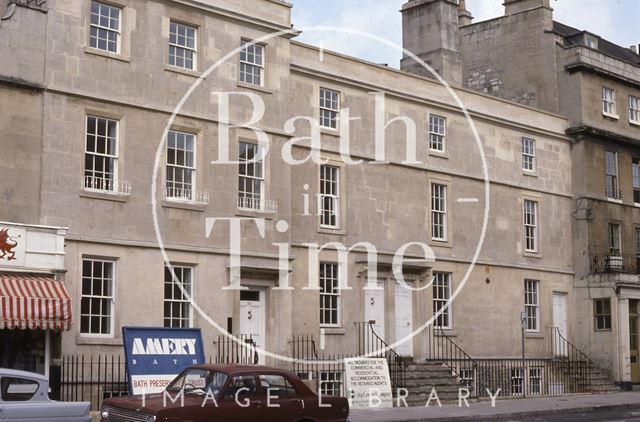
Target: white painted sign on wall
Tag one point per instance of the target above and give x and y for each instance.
(368, 383)
(12, 246)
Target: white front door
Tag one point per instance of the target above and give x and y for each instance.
(374, 308)
(252, 317)
(560, 322)
(404, 319)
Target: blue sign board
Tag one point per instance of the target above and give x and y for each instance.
(154, 356)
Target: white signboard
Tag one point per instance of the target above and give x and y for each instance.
(12, 246)
(368, 383)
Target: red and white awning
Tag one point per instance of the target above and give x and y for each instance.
(34, 302)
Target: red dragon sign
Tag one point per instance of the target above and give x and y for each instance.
(7, 245)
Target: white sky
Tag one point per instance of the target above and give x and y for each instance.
(615, 20)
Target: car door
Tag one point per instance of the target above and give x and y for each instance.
(16, 394)
(240, 401)
(282, 403)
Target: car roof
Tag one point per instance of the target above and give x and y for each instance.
(237, 368)
(6, 372)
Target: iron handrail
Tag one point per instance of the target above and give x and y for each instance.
(369, 342)
(450, 354)
(572, 360)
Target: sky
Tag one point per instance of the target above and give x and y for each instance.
(615, 20)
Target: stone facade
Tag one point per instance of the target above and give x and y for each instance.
(388, 205)
(527, 57)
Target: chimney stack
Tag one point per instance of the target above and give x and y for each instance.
(430, 31)
(464, 16)
(512, 7)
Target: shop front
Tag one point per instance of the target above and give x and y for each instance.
(35, 306)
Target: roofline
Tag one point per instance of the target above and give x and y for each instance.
(594, 131)
(580, 66)
(425, 79)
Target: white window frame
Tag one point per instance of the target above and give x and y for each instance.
(609, 102)
(329, 108)
(329, 177)
(635, 179)
(333, 379)
(591, 41)
(634, 109)
(329, 292)
(179, 271)
(174, 193)
(532, 305)
(468, 378)
(91, 182)
(183, 47)
(99, 27)
(535, 373)
(517, 381)
(442, 287)
(249, 60)
(104, 298)
(602, 315)
(528, 154)
(612, 187)
(250, 200)
(439, 212)
(530, 221)
(437, 133)
(614, 236)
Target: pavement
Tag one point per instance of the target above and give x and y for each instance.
(511, 409)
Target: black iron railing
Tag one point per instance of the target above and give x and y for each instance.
(615, 263)
(370, 344)
(229, 350)
(613, 192)
(93, 378)
(443, 349)
(571, 360)
(525, 378)
(326, 370)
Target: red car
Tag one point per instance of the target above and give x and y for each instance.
(229, 393)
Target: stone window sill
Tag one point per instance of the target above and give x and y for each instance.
(98, 52)
(258, 88)
(328, 230)
(104, 196)
(189, 206)
(438, 154)
(100, 341)
(182, 71)
(534, 335)
(333, 331)
(242, 212)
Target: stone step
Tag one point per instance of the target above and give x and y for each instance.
(422, 377)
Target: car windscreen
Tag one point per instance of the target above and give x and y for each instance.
(198, 381)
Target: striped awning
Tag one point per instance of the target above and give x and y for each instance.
(33, 302)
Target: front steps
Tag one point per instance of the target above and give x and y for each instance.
(601, 383)
(422, 378)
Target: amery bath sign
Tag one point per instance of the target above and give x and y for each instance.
(155, 356)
